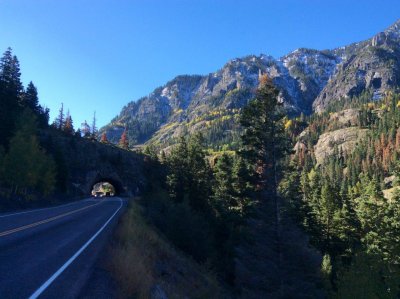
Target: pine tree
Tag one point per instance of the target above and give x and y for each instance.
(264, 142)
(10, 95)
(391, 231)
(370, 211)
(223, 190)
(178, 166)
(30, 99)
(190, 175)
(85, 129)
(123, 141)
(94, 126)
(242, 186)
(59, 122)
(327, 217)
(69, 126)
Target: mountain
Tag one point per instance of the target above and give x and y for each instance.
(308, 80)
(372, 65)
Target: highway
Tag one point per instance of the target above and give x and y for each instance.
(50, 252)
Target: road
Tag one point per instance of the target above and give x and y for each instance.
(50, 253)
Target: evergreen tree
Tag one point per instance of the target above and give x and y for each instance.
(59, 122)
(223, 189)
(178, 166)
(328, 217)
(69, 125)
(242, 186)
(30, 99)
(10, 95)
(94, 126)
(190, 175)
(263, 139)
(199, 188)
(85, 129)
(391, 231)
(370, 211)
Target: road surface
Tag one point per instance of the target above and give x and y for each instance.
(50, 253)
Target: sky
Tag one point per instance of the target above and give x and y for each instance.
(98, 55)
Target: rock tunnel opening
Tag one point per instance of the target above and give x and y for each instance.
(106, 188)
(102, 189)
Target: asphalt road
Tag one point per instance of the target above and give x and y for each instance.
(50, 253)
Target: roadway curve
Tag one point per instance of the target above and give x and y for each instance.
(50, 253)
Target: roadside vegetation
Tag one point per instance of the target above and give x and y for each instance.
(144, 263)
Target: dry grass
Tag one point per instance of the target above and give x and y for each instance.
(141, 260)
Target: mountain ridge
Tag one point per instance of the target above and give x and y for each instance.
(309, 80)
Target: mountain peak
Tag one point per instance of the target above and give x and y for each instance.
(307, 79)
(394, 27)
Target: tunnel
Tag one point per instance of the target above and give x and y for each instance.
(105, 186)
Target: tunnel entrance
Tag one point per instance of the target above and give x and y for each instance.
(103, 189)
(376, 83)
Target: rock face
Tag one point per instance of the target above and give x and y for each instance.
(347, 117)
(343, 139)
(308, 80)
(372, 65)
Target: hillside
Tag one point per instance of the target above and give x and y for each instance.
(308, 80)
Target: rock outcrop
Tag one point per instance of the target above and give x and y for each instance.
(343, 139)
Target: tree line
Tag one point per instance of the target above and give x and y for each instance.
(24, 164)
(341, 203)
(30, 169)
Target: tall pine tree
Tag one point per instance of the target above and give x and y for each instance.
(10, 95)
(264, 141)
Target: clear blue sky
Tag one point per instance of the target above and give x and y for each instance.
(99, 55)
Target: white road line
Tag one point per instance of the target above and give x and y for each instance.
(43, 209)
(44, 286)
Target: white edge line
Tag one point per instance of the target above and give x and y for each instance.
(44, 286)
(42, 209)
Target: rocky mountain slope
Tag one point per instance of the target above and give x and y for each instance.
(371, 65)
(308, 80)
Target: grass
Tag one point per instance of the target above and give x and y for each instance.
(143, 261)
